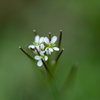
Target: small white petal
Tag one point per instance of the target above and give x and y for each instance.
(46, 49)
(46, 40)
(46, 58)
(42, 40)
(37, 38)
(56, 48)
(37, 57)
(38, 48)
(39, 63)
(54, 39)
(48, 52)
(35, 52)
(42, 46)
(31, 46)
(42, 52)
(50, 49)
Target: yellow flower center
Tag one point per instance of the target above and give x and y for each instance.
(51, 45)
(43, 57)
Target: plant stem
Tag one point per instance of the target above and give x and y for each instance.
(54, 89)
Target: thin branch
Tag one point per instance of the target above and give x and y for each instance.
(46, 67)
(44, 63)
(25, 52)
(60, 37)
(59, 55)
(32, 49)
(37, 51)
(35, 32)
(49, 36)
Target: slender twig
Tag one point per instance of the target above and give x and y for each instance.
(32, 49)
(25, 52)
(44, 63)
(46, 67)
(60, 37)
(59, 54)
(37, 51)
(35, 32)
(49, 36)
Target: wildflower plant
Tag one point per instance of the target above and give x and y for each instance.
(43, 48)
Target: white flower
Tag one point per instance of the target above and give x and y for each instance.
(38, 40)
(48, 50)
(39, 63)
(42, 49)
(42, 39)
(37, 44)
(31, 46)
(50, 45)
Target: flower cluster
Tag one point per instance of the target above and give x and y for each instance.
(43, 47)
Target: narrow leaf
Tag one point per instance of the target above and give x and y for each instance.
(70, 80)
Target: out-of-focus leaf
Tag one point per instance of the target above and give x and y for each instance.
(70, 80)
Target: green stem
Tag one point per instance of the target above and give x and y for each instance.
(54, 89)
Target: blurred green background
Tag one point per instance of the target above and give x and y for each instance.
(80, 22)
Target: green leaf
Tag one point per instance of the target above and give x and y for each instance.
(70, 80)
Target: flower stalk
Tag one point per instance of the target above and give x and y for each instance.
(59, 55)
(49, 36)
(60, 38)
(25, 53)
(35, 32)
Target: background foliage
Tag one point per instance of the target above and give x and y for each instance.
(80, 22)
